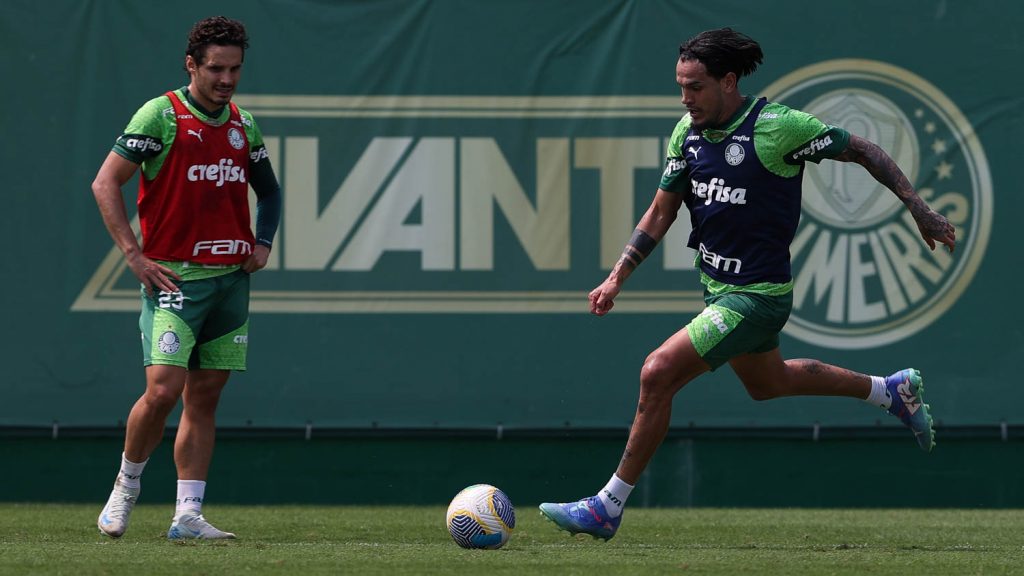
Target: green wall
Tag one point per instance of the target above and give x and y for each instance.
(688, 471)
(458, 175)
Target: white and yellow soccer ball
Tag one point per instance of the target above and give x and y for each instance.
(481, 516)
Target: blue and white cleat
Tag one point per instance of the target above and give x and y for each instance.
(906, 392)
(587, 516)
(113, 520)
(195, 527)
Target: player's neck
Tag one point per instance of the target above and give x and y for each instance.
(732, 111)
(199, 105)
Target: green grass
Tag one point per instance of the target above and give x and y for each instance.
(62, 539)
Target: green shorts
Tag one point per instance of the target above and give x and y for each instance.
(738, 323)
(205, 324)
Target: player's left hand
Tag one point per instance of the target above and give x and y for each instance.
(257, 260)
(934, 226)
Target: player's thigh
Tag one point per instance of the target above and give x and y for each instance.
(761, 373)
(223, 341)
(676, 360)
(170, 322)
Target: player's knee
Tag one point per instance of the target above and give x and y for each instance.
(162, 398)
(657, 377)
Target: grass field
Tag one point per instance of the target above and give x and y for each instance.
(62, 539)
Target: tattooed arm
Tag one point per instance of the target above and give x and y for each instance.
(932, 225)
(649, 231)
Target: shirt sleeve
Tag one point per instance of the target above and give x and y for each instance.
(264, 183)
(675, 177)
(786, 138)
(146, 135)
(823, 146)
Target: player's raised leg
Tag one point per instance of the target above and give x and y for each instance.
(766, 376)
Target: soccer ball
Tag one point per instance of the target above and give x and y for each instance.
(481, 516)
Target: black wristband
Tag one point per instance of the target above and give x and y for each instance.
(639, 248)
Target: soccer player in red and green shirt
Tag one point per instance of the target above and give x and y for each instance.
(199, 153)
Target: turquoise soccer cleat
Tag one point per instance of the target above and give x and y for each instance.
(906, 392)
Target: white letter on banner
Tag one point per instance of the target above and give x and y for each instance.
(426, 179)
(616, 159)
(485, 178)
(311, 237)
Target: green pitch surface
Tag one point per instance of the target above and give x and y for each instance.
(62, 539)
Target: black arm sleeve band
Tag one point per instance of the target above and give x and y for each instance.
(268, 201)
(638, 249)
(642, 243)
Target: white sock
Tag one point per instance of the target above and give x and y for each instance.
(614, 495)
(131, 472)
(879, 395)
(190, 497)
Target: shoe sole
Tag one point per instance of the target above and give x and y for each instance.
(917, 383)
(229, 536)
(572, 532)
(110, 534)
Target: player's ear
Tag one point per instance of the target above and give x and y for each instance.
(729, 82)
(190, 64)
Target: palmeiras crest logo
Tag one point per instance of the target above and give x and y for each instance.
(863, 276)
(169, 343)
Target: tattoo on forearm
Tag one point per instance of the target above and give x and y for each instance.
(639, 248)
(881, 166)
(885, 170)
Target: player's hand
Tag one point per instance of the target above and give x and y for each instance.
(602, 298)
(155, 277)
(257, 260)
(934, 226)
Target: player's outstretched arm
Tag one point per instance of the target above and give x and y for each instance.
(649, 231)
(932, 225)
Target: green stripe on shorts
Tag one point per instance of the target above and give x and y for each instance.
(736, 323)
(712, 326)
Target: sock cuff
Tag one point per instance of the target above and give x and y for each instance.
(131, 471)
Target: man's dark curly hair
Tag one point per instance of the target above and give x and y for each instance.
(723, 51)
(215, 30)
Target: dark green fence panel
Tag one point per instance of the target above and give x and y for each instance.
(458, 175)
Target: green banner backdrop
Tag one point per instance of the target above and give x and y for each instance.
(458, 175)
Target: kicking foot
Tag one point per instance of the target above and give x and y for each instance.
(906, 392)
(587, 516)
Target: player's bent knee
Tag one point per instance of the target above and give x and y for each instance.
(658, 375)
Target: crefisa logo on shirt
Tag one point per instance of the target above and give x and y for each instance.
(863, 276)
